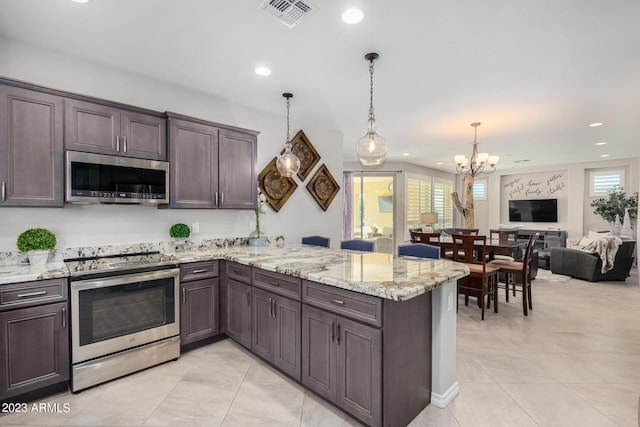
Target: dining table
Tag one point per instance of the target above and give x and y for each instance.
(493, 246)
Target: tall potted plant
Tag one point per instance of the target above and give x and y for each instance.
(37, 243)
(616, 204)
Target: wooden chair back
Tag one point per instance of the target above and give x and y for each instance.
(468, 231)
(420, 237)
(504, 235)
(469, 249)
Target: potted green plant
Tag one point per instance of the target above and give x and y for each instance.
(37, 243)
(179, 233)
(616, 204)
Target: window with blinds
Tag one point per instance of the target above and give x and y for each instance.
(418, 199)
(480, 189)
(442, 202)
(603, 181)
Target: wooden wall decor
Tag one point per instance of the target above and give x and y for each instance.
(323, 187)
(276, 188)
(305, 151)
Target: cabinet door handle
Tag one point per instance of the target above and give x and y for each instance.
(32, 294)
(202, 270)
(124, 143)
(4, 191)
(118, 143)
(184, 296)
(221, 198)
(216, 198)
(338, 337)
(336, 302)
(64, 318)
(270, 307)
(333, 331)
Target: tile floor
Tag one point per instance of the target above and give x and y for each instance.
(575, 361)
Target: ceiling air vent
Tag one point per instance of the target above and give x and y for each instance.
(289, 12)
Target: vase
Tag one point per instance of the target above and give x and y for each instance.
(179, 243)
(257, 238)
(38, 258)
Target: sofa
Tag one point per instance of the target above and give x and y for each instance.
(588, 266)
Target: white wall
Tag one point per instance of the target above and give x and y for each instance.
(578, 217)
(77, 225)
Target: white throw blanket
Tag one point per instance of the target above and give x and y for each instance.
(606, 247)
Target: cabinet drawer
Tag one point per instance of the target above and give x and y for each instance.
(277, 283)
(32, 293)
(199, 270)
(365, 308)
(239, 272)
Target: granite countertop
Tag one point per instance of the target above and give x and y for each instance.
(381, 275)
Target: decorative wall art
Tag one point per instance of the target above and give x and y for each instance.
(305, 151)
(276, 188)
(323, 187)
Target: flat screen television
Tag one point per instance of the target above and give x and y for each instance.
(534, 210)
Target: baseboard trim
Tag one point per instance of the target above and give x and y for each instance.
(443, 400)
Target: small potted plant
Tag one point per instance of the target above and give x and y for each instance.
(179, 233)
(37, 243)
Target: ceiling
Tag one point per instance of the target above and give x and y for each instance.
(535, 73)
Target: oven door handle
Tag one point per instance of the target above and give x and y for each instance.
(82, 285)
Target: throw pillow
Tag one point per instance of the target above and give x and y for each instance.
(586, 241)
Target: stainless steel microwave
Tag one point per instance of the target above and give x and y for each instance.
(99, 178)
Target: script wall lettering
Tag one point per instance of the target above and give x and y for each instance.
(544, 185)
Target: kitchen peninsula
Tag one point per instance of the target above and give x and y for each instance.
(375, 334)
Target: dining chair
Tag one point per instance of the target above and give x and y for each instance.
(468, 231)
(483, 277)
(316, 241)
(357, 245)
(519, 270)
(420, 250)
(420, 237)
(503, 236)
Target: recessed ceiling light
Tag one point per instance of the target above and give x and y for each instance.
(80, 1)
(263, 71)
(439, 163)
(604, 155)
(352, 16)
(595, 125)
(406, 154)
(601, 143)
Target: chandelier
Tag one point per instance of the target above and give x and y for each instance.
(371, 148)
(478, 161)
(288, 164)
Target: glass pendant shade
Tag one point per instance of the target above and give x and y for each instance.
(287, 163)
(371, 148)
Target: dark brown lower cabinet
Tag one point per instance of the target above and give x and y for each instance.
(342, 361)
(34, 348)
(276, 331)
(199, 318)
(238, 311)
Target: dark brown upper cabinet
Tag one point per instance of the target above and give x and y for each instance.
(31, 148)
(211, 166)
(104, 129)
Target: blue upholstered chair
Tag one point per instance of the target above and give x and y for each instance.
(316, 241)
(357, 245)
(420, 250)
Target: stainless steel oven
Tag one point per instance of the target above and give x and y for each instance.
(122, 323)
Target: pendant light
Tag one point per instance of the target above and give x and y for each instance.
(288, 164)
(371, 148)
